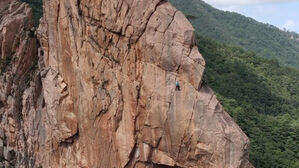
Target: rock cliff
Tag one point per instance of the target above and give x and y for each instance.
(104, 92)
(18, 83)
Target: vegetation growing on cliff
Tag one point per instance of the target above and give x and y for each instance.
(37, 7)
(232, 28)
(263, 98)
(260, 94)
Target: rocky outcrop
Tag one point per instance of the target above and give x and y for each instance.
(104, 93)
(18, 83)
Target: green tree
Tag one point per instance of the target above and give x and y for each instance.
(234, 29)
(37, 7)
(261, 96)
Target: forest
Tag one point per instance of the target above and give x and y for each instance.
(262, 97)
(37, 8)
(232, 28)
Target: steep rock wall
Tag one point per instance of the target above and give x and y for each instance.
(19, 85)
(104, 94)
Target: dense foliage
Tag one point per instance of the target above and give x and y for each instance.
(232, 28)
(260, 94)
(263, 98)
(37, 7)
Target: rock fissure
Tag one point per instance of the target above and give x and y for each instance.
(70, 140)
(111, 102)
(150, 16)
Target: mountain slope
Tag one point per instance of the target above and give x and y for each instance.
(232, 28)
(260, 94)
(263, 98)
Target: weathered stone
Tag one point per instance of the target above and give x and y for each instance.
(18, 52)
(104, 92)
(161, 158)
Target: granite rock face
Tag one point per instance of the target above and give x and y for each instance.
(19, 85)
(104, 93)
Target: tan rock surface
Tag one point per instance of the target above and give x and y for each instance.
(19, 85)
(106, 95)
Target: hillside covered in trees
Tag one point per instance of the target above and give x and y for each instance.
(262, 95)
(263, 98)
(232, 28)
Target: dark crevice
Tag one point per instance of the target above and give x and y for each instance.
(95, 22)
(131, 157)
(1, 104)
(70, 140)
(178, 69)
(79, 8)
(96, 46)
(202, 84)
(160, 3)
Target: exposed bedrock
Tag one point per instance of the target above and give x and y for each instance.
(104, 92)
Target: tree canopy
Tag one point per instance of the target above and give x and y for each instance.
(37, 7)
(262, 97)
(232, 28)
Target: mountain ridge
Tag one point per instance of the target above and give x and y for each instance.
(261, 95)
(235, 29)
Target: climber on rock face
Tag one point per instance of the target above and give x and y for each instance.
(177, 84)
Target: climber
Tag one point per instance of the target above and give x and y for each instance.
(177, 84)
